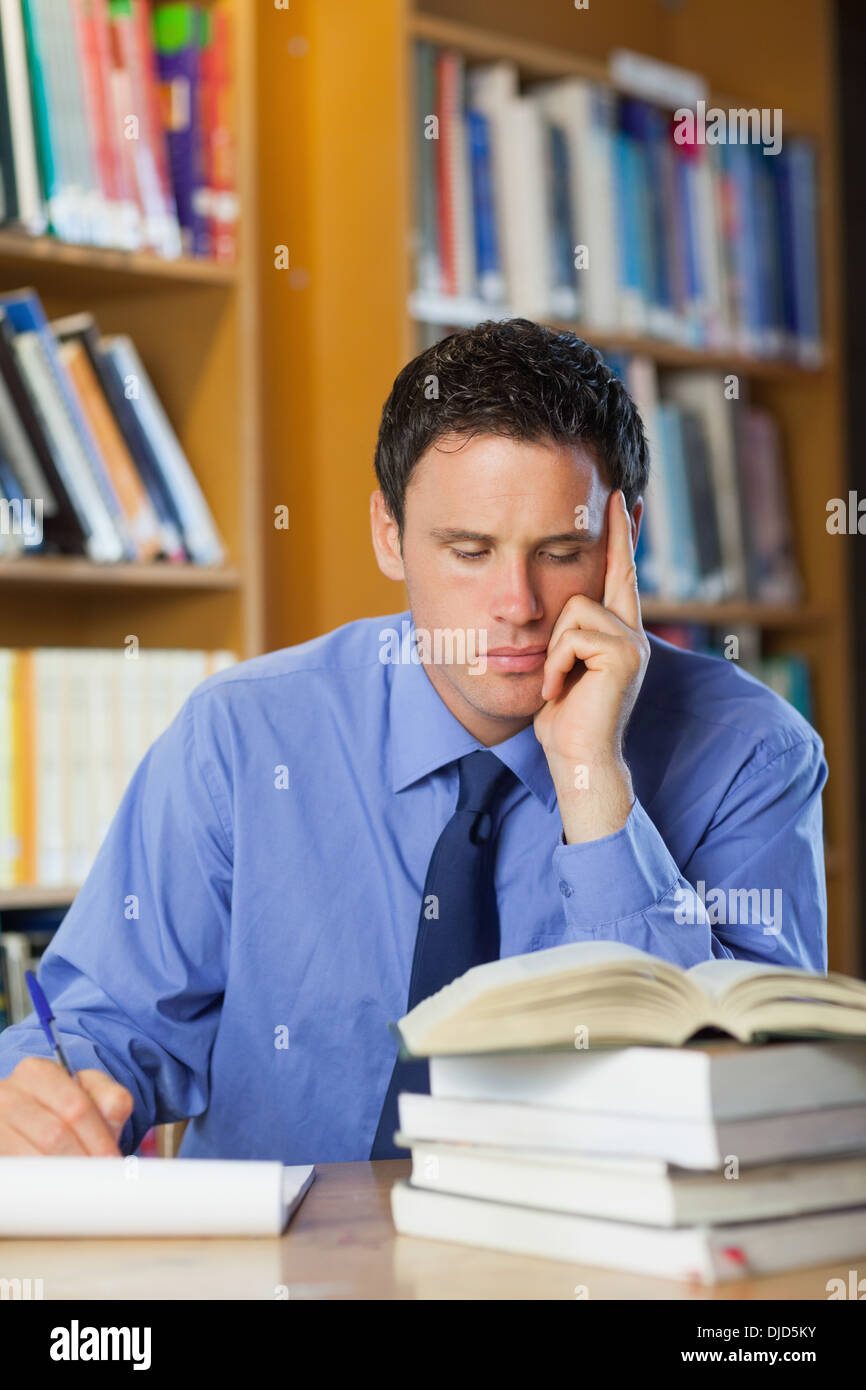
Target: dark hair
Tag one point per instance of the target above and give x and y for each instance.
(513, 378)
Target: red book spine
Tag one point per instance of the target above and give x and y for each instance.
(99, 38)
(85, 37)
(446, 95)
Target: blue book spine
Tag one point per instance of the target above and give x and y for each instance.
(748, 238)
(781, 175)
(629, 225)
(656, 160)
(480, 162)
(683, 180)
(635, 124)
(805, 241)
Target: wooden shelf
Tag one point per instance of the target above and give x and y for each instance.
(765, 615)
(437, 309)
(535, 59)
(84, 574)
(31, 895)
(17, 250)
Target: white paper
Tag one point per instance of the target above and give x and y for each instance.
(148, 1196)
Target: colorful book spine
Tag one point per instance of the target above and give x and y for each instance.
(176, 35)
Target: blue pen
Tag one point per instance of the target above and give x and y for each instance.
(46, 1018)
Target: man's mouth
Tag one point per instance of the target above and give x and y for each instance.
(517, 659)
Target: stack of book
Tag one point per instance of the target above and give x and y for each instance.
(568, 200)
(89, 462)
(116, 124)
(580, 1110)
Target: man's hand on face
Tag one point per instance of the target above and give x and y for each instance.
(582, 724)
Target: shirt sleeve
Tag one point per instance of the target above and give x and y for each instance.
(753, 889)
(136, 971)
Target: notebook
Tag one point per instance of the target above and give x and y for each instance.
(49, 1196)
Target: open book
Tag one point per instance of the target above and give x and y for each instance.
(48, 1196)
(591, 993)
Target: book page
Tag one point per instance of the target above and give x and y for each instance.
(716, 977)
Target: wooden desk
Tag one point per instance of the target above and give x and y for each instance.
(342, 1244)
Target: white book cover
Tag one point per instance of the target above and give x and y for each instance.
(80, 1197)
(579, 106)
(648, 1191)
(700, 1144)
(528, 271)
(722, 1081)
(707, 1254)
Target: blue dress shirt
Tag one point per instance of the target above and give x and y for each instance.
(247, 929)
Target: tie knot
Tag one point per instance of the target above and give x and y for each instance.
(483, 778)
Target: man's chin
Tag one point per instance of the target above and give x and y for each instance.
(505, 697)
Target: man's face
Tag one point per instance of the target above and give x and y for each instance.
(498, 534)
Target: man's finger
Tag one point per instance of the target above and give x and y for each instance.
(69, 1100)
(35, 1128)
(575, 644)
(112, 1100)
(620, 580)
(584, 612)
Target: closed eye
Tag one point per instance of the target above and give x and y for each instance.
(567, 559)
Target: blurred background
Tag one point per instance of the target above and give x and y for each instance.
(226, 225)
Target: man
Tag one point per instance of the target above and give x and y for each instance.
(330, 832)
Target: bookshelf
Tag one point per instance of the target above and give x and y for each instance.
(335, 177)
(196, 324)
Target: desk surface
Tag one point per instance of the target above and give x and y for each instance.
(341, 1243)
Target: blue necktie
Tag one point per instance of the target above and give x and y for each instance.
(459, 887)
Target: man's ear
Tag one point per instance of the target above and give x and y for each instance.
(635, 517)
(386, 538)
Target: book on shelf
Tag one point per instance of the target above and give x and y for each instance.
(787, 673)
(74, 725)
(85, 440)
(564, 199)
(716, 522)
(594, 1103)
(117, 124)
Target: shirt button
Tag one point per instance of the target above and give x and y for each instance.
(565, 888)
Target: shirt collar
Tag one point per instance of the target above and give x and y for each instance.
(425, 735)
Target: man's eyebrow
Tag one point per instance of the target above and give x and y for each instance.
(454, 533)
